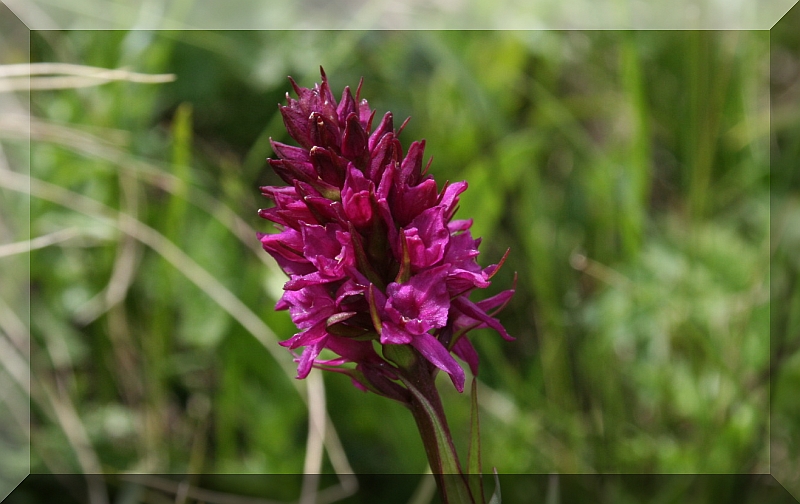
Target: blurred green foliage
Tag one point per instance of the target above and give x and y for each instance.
(628, 172)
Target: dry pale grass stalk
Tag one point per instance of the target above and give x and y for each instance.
(599, 271)
(15, 399)
(15, 329)
(15, 364)
(319, 429)
(40, 76)
(21, 247)
(314, 443)
(78, 439)
(125, 264)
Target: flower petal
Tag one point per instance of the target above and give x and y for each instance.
(472, 310)
(433, 350)
(464, 349)
(392, 334)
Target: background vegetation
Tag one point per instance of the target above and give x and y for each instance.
(629, 173)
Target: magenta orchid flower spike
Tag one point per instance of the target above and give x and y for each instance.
(380, 272)
(370, 245)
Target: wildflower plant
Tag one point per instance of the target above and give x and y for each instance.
(380, 271)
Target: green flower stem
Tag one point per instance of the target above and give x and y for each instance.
(426, 407)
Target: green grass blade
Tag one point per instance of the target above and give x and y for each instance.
(474, 458)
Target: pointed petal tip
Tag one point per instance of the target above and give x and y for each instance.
(358, 89)
(402, 127)
(295, 86)
(458, 382)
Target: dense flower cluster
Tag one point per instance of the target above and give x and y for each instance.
(370, 246)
